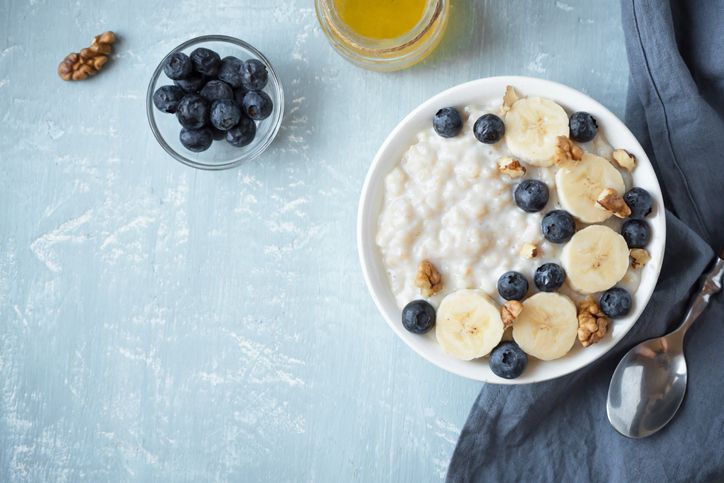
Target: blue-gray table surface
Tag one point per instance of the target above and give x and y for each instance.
(159, 323)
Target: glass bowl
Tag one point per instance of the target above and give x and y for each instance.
(221, 155)
(385, 55)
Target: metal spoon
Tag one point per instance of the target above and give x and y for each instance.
(649, 383)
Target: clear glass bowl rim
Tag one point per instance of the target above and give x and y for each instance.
(275, 118)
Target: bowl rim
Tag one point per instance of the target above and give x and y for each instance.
(368, 212)
(276, 116)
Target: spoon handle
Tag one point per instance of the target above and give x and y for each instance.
(711, 283)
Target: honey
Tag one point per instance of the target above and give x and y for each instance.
(380, 19)
(383, 35)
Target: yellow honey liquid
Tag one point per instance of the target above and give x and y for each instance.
(380, 19)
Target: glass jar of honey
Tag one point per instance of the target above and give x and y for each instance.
(383, 35)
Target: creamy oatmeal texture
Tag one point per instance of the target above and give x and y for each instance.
(447, 202)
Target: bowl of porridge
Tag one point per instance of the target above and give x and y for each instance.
(511, 230)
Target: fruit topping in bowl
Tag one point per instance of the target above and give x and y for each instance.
(508, 360)
(418, 316)
(447, 122)
(531, 195)
(468, 324)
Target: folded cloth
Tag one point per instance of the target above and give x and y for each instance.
(558, 430)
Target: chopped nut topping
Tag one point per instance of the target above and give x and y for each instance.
(639, 258)
(624, 159)
(529, 251)
(509, 99)
(592, 323)
(566, 150)
(79, 66)
(510, 311)
(610, 200)
(511, 167)
(428, 279)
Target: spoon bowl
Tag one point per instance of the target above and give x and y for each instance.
(648, 387)
(649, 384)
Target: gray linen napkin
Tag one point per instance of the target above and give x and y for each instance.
(558, 430)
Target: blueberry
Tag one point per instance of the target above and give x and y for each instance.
(531, 195)
(215, 90)
(639, 200)
(447, 122)
(193, 111)
(508, 360)
(549, 277)
(192, 83)
(558, 226)
(489, 129)
(241, 134)
(254, 75)
(177, 66)
(196, 140)
(206, 62)
(230, 71)
(615, 302)
(257, 105)
(636, 233)
(167, 98)
(217, 134)
(418, 316)
(225, 114)
(512, 286)
(583, 127)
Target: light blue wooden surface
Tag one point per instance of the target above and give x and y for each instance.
(159, 323)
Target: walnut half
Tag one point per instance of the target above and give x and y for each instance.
(566, 150)
(79, 66)
(624, 159)
(510, 311)
(509, 99)
(428, 279)
(610, 200)
(511, 167)
(592, 323)
(639, 258)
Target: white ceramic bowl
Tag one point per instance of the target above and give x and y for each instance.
(390, 153)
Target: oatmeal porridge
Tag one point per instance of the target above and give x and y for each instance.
(528, 217)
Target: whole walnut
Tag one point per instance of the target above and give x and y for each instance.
(87, 62)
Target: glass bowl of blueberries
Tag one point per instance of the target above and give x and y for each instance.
(214, 102)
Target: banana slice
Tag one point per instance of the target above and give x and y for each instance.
(595, 259)
(579, 184)
(531, 128)
(547, 326)
(468, 324)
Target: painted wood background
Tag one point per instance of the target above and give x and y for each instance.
(159, 323)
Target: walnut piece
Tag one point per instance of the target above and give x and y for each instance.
(511, 167)
(529, 251)
(79, 66)
(566, 150)
(639, 258)
(510, 311)
(592, 323)
(428, 279)
(509, 99)
(624, 159)
(610, 200)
